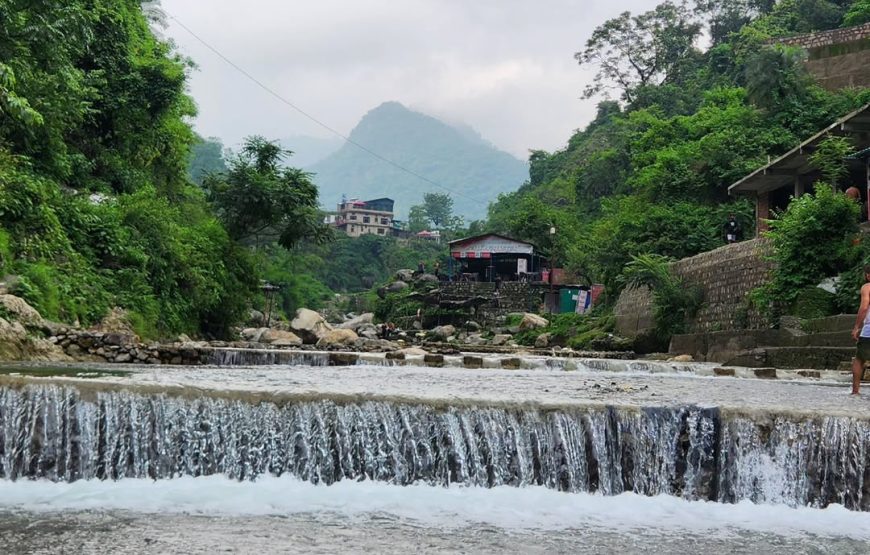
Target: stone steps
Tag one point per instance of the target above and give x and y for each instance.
(840, 322)
(810, 357)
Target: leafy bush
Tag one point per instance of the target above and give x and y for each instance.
(812, 240)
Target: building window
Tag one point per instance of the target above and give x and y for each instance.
(381, 231)
(352, 229)
(385, 221)
(352, 217)
(366, 220)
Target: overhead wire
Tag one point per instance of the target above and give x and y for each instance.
(283, 100)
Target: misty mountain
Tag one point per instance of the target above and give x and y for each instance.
(455, 157)
(309, 150)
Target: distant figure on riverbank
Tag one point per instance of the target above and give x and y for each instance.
(861, 334)
(854, 193)
(421, 269)
(732, 229)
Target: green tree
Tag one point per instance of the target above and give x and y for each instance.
(206, 156)
(439, 208)
(636, 51)
(774, 74)
(418, 219)
(859, 12)
(830, 158)
(261, 201)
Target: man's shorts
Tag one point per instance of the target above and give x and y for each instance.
(862, 352)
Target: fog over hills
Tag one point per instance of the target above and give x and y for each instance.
(308, 150)
(457, 158)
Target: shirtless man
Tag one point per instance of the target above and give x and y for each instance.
(861, 334)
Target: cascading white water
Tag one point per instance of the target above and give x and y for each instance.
(55, 433)
(258, 357)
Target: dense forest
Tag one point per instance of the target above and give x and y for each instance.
(676, 125)
(96, 206)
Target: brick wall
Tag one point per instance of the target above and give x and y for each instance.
(725, 275)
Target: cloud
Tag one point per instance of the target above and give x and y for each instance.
(504, 67)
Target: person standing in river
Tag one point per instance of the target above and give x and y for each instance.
(861, 334)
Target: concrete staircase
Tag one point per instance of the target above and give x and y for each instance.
(822, 344)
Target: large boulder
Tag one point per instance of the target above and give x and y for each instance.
(443, 332)
(358, 322)
(369, 331)
(20, 311)
(309, 325)
(533, 321)
(256, 318)
(117, 322)
(337, 338)
(16, 344)
(397, 286)
(405, 275)
(542, 341)
(253, 334)
(426, 278)
(280, 338)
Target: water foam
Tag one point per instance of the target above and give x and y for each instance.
(530, 508)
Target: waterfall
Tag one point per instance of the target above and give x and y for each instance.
(59, 434)
(256, 357)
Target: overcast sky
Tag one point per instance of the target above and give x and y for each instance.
(504, 67)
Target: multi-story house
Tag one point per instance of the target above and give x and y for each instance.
(356, 217)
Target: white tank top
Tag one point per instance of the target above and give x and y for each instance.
(865, 330)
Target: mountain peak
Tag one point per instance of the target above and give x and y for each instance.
(455, 158)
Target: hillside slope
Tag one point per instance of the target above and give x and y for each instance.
(451, 157)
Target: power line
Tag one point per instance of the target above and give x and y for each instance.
(312, 118)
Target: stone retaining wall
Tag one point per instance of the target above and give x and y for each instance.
(838, 58)
(513, 297)
(831, 37)
(725, 275)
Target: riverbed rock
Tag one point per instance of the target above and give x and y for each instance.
(357, 322)
(443, 332)
(682, 358)
(309, 325)
(117, 321)
(413, 351)
(253, 334)
(474, 339)
(500, 339)
(369, 331)
(471, 325)
(280, 338)
(337, 338)
(20, 311)
(404, 275)
(533, 321)
(366, 344)
(542, 341)
(397, 286)
(426, 278)
(256, 318)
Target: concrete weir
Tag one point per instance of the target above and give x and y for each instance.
(323, 425)
(597, 426)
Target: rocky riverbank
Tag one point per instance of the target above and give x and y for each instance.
(26, 336)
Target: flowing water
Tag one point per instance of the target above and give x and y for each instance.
(389, 459)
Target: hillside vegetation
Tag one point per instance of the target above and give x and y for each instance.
(649, 175)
